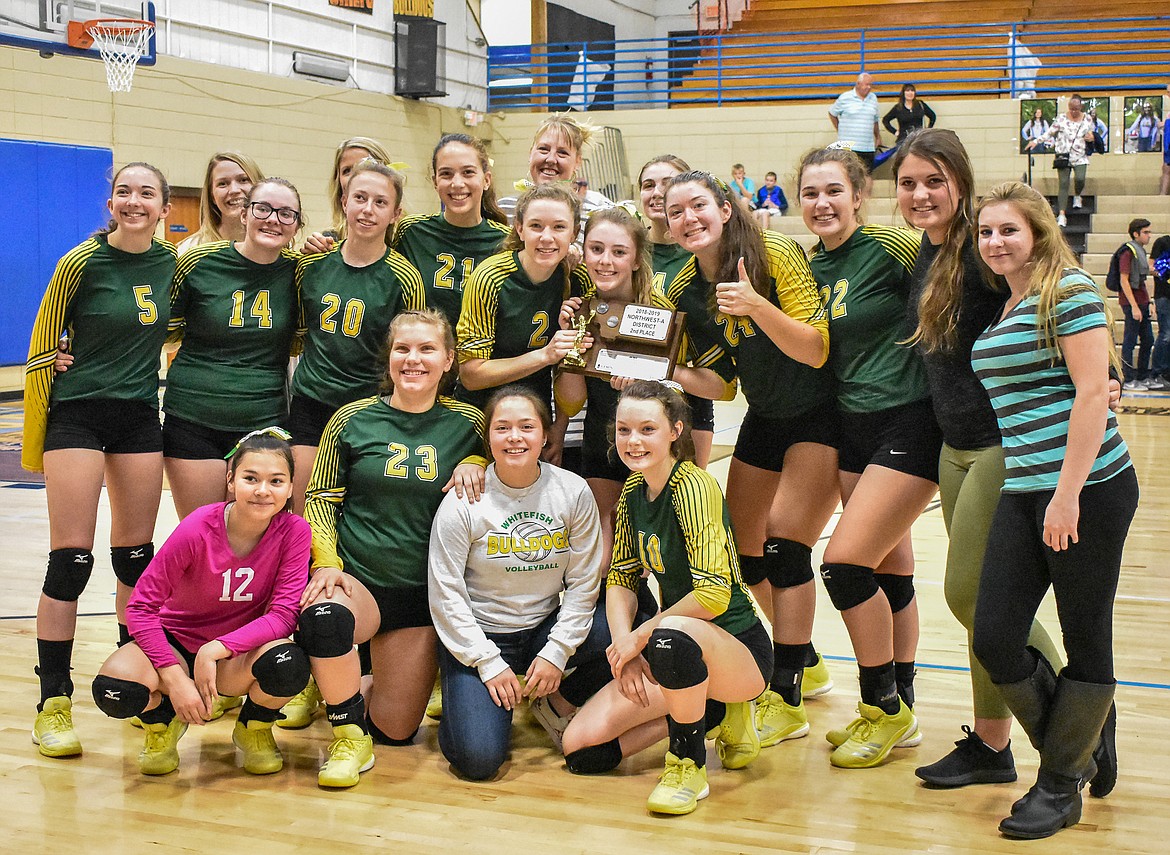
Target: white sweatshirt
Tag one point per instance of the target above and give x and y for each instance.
(501, 564)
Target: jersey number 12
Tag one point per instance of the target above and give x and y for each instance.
(241, 594)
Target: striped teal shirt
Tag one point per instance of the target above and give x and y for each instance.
(1032, 392)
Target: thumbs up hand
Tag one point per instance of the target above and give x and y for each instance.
(737, 298)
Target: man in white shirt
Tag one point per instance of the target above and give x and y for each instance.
(855, 116)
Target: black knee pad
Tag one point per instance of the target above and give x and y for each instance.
(281, 671)
(130, 562)
(326, 630)
(675, 659)
(899, 590)
(848, 585)
(68, 574)
(595, 759)
(379, 736)
(119, 698)
(788, 563)
(752, 569)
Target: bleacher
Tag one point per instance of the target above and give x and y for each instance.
(797, 49)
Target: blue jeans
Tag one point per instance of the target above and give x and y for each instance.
(474, 733)
(1162, 345)
(1135, 330)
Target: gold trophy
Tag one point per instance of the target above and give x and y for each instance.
(574, 359)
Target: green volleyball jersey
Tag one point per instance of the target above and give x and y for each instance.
(445, 255)
(866, 283)
(775, 385)
(683, 536)
(669, 259)
(236, 319)
(377, 483)
(346, 312)
(115, 306)
(506, 314)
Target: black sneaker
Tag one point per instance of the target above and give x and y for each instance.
(972, 762)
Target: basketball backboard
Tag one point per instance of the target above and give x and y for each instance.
(42, 25)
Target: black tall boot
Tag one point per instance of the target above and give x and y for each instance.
(1105, 757)
(1031, 699)
(1073, 730)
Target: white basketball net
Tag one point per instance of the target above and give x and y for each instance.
(121, 44)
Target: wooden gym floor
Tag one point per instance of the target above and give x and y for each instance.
(790, 800)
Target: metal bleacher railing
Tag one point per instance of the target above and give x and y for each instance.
(996, 60)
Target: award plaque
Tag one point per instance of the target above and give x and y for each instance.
(629, 340)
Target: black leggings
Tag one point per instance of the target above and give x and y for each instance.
(1018, 570)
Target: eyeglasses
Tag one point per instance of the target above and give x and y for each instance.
(274, 430)
(263, 211)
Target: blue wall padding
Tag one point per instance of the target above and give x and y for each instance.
(54, 198)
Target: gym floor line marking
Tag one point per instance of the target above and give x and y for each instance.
(963, 669)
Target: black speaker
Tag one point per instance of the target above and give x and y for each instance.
(420, 57)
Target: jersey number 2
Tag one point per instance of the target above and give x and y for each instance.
(241, 594)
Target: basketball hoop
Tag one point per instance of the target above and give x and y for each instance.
(121, 43)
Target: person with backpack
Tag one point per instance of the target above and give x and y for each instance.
(1129, 268)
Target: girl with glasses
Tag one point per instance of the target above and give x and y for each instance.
(234, 308)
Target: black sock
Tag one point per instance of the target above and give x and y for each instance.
(788, 671)
(810, 655)
(162, 714)
(352, 711)
(879, 688)
(55, 659)
(124, 636)
(252, 711)
(686, 740)
(904, 675)
(713, 714)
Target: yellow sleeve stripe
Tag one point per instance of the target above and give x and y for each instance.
(471, 413)
(413, 291)
(902, 244)
(326, 491)
(796, 287)
(681, 280)
(499, 227)
(476, 330)
(52, 319)
(625, 568)
(698, 504)
(580, 277)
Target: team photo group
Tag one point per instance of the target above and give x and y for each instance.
(408, 484)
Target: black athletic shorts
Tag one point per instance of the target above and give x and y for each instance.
(702, 413)
(906, 439)
(104, 424)
(307, 419)
(399, 608)
(603, 462)
(756, 639)
(184, 440)
(867, 157)
(184, 654)
(763, 442)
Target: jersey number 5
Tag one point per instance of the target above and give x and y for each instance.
(147, 310)
(241, 594)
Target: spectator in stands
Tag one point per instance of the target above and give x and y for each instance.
(770, 201)
(1135, 305)
(742, 187)
(1160, 262)
(855, 116)
(1144, 130)
(581, 185)
(1071, 134)
(1035, 128)
(909, 113)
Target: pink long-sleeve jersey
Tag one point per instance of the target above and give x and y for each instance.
(199, 590)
